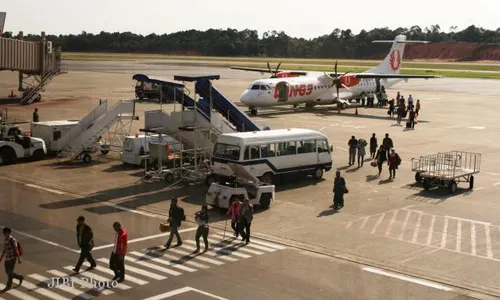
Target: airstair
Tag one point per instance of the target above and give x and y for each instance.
(33, 94)
(88, 132)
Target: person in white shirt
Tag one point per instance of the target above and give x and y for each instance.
(410, 102)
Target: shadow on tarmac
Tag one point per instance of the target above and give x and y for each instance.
(434, 195)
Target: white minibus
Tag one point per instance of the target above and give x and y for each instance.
(272, 152)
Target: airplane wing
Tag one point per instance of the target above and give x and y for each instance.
(263, 70)
(393, 76)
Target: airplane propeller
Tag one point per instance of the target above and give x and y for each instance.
(275, 72)
(337, 80)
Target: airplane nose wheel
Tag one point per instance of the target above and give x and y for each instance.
(253, 111)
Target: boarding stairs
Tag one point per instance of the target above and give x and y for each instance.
(87, 133)
(33, 93)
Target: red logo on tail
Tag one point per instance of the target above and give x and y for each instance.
(395, 60)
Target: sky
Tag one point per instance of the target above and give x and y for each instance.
(298, 18)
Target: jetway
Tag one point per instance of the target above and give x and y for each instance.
(38, 63)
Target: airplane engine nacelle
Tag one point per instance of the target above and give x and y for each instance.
(349, 80)
(286, 74)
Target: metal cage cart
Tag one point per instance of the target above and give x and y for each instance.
(446, 169)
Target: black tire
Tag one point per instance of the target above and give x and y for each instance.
(452, 186)
(38, 155)
(471, 182)
(87, 158)
(7, 156)
(267, 178)
(38, 98)
(318, 173)
(140, 96)
(265, 201)
(253, 112)
(104, 152)
(427, 184)
(169, 178)
(418, 177)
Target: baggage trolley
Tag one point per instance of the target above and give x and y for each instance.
(446, 169)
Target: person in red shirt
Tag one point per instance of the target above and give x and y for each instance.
(117, 259)
(234, 212)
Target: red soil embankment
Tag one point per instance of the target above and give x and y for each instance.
(454, 51)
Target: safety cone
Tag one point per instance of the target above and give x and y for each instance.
(356, 111)
(12, 94)
(338, 109)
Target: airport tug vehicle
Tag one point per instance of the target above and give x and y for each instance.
(243, 185)
(446, 169)
(15, 145)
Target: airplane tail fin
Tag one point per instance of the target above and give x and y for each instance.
(3, 16)
(393, 61)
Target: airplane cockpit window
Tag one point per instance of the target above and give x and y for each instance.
(268, 87)
(263, 87)
(255, 87)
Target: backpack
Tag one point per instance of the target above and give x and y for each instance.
(19, 248)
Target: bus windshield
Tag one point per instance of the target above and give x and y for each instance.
(227, 151)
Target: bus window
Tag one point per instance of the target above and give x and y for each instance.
(323, 146)
(246, 156)
(265, 151)
(307, 146)
(227, 151)
(272, 150)
(254, 152)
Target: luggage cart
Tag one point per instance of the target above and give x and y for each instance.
(446, 169)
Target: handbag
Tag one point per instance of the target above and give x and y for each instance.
(373, 163)
(346, 191)
(164, 227)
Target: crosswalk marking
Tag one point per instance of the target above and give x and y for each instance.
(219, 254)
(224, 249)
(129, 278)
(251, 245)
(101, 279)
(79, 281)
(65, 288)
(152, 266)
(146, 263)
(489, 252)
(236, 246)
(196, 256)
(139, 271)
(43, 291)
(161, 261)
(18, 294)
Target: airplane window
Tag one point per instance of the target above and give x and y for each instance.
(255, 87)
(268, 87)
(263, 87)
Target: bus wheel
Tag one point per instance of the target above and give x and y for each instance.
(267, 178)
(318, 173)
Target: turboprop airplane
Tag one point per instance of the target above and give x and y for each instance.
(289, 87)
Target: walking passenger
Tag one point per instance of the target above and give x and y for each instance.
(85, 239)
(117, 259)
(417, 107)
(380, 158)
(411, 119)
(387, 143)
(373, 146)
(339, 189)
(36, 117)
(394, 162)
(245, 220)
(175, 218)
(234, 212)
(353, 144)
(202, 220)
(391, 108)
(11, 254)
(361, 152)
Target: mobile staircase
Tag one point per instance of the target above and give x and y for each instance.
(83, 138)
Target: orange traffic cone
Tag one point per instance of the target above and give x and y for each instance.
(12, 94)
(356, 112)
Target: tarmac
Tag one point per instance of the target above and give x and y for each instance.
(392, 240)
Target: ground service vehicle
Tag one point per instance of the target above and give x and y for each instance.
(147, 90)
(132, 145)
(14, 145)
(446, 169)
(243, 185)
(265, 154)
(51, 132)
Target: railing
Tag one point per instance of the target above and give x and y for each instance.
(448, 164)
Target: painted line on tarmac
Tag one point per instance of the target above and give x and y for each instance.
(343, 149)
(44, 240)
(497, 183)
(407, 278)
(182, 291)
(45, 189)
(145, 238)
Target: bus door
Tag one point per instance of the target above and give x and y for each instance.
(324, 155)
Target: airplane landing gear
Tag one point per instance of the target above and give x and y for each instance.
(253, 111)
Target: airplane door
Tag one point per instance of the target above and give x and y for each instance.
(283, 91)
(377, 89)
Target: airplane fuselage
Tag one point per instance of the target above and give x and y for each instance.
(306, 89)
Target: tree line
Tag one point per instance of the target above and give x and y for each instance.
(231, 42)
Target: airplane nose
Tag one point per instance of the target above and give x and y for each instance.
(245, 97)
